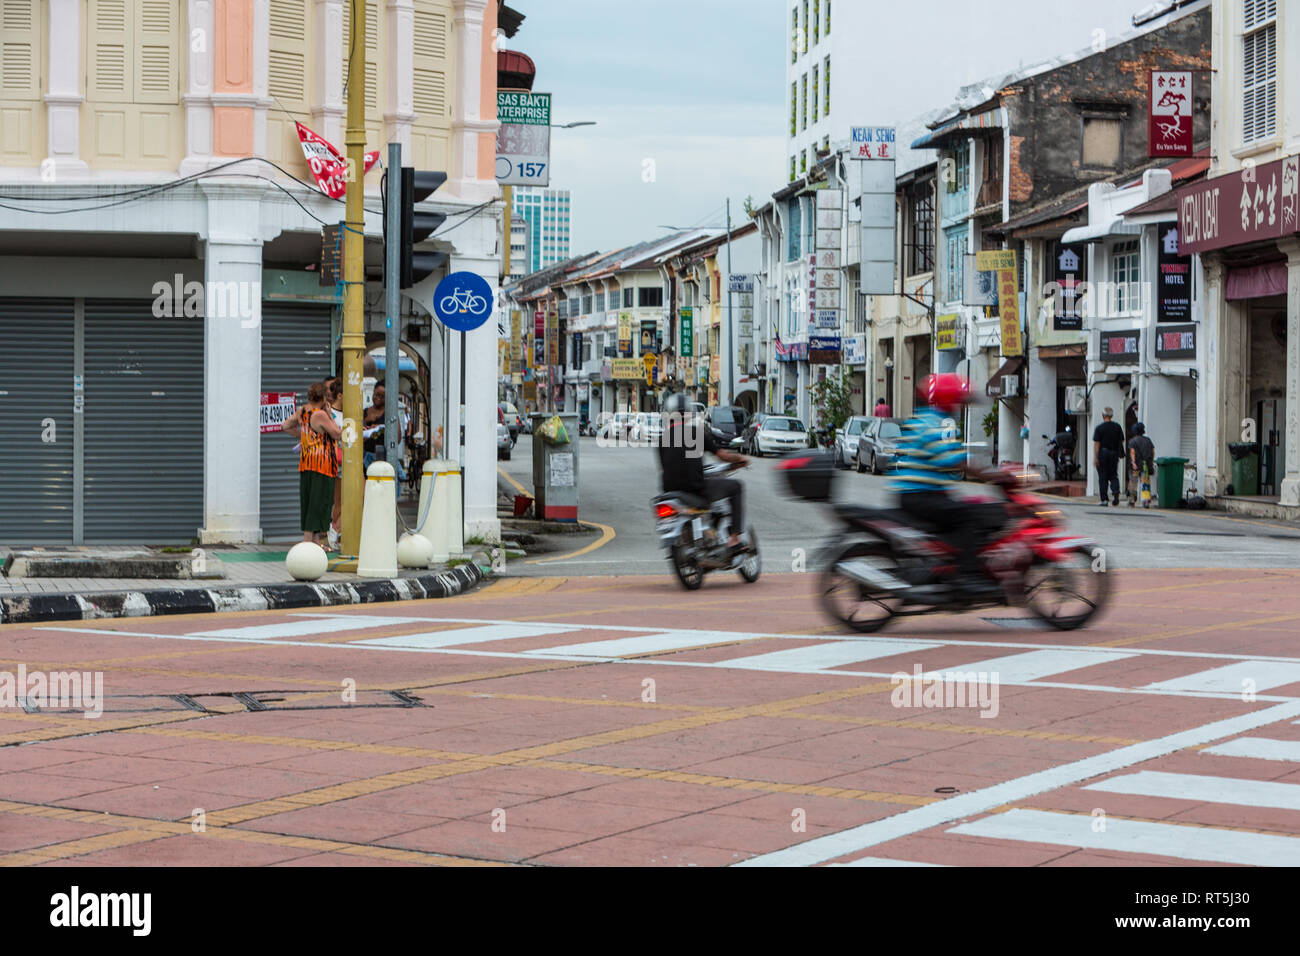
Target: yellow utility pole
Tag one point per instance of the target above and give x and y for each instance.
(354, 329)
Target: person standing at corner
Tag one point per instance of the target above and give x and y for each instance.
(334, 391)
(1107, 450)
(882, 409)
(317, 462)
(1142, 459)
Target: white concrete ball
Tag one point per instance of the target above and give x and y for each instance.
(414, 551)
(306, 561)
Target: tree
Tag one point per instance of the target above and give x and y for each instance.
(750, 209)
(833, 398)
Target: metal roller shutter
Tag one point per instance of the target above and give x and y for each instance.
(144, 424)
(295, 353)
(36, 369)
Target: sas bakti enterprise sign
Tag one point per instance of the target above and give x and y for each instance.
(524, 140)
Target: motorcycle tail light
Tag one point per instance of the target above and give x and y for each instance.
(664, 511)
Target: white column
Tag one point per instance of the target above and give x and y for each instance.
(197, 98)
(64, 97)
(232, 366)
(1289, 489)
(467, 121)
(1210, 399)
(399, 74)
(261, 72)
(328, 113)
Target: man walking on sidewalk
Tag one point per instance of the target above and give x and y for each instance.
(1107, 450)
(1142, 458)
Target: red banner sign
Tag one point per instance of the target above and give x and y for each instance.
(1169, 115)
(329, 168)
(275, 409)
(1254, 204)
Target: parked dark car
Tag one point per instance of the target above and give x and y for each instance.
(878, 445)
(747, 436)
(728, 420)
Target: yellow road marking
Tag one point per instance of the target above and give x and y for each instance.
(607, 535)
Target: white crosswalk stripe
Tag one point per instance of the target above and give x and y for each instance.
(307, 626)
(881, 861)
(648, 643)
(1263, 748)
(821, 656)
(1034, 665)
(1135, 836)
(1263, 675)
(1204, 788)
(466, 635)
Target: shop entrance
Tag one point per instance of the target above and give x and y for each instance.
(1266, 387)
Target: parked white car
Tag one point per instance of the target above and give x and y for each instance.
(614, 426)
(845, 449)
(646, 429)
(779, 435)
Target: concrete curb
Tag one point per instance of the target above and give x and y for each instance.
(32, 608)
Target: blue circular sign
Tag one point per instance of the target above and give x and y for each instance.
(462, 301)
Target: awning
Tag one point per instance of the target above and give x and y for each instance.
(1254, 282)
(1116, 227)
(988, 120)
(1010, 367)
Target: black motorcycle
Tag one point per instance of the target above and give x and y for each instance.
(694, 532)
(1061, 451)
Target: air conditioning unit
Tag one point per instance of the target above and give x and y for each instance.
(1010, 386)
(1076, 400)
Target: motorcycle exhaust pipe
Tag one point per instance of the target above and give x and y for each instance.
(865, 573)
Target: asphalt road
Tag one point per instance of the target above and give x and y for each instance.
(617, 483)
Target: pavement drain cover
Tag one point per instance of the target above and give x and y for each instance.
(1021, 623)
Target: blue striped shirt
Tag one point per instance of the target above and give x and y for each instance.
(928, 457)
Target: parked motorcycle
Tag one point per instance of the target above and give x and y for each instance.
(1061, 451)
(695, 532)
(884, 563)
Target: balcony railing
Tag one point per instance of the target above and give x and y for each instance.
(990, 193)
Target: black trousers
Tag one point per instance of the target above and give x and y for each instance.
(1108, 474)
(715, 489)
(961, 524)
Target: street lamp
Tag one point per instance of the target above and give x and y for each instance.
(573, 125)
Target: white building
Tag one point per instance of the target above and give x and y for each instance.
(547, 213)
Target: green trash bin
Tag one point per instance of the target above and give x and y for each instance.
(1245, 467)
(1169, 481)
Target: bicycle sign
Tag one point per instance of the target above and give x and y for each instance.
(462, 301)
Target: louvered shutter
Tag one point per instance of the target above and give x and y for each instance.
(155, 51)
(288, 53)
(1259, 70)
(372, 55)
(108, 45)
(429, 81)
(19, 50)
(1187, 427)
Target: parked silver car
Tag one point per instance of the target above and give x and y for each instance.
(878, 445)
(845, 449)
(505, 444)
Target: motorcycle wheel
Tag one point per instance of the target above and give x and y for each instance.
(687, 569)
(1066, 595)
(853, 604)
(752, 564)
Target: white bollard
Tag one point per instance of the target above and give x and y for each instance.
(377, 556)
(450, 480)
(434, 481)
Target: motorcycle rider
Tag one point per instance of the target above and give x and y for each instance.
(681, 462)
(1063, 448)
(929, 460)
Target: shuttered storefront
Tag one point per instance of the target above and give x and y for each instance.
(295, 353)
(143, 444)
(36, 421)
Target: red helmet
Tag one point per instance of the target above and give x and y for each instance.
(946, 391)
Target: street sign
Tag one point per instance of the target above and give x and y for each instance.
(463, 301)
(331, 259)
(946, 332)
(626, 369)
(1169, 114)
(275, 409)
(741, 282)
(686, 333)
(524, 139)
(872, 142)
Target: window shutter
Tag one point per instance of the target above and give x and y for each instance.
(1187, 430)
(430, 71)
(155, 51)
(287, 56)
(109, 39)
(372, 55)
(1259, 70)
(19, 50)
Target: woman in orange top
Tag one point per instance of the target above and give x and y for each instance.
(318, 464)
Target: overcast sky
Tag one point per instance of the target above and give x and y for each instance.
(689, 95)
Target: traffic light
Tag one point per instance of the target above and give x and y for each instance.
(416, 226)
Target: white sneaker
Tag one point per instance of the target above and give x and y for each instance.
(333, 539)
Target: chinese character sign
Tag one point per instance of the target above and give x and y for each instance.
(872, 142)
(1169, 116)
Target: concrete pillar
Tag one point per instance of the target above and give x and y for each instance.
(328, 110)
(1289, 488)
(198, 51)
(474, 124)
(399, 74)
(232, 365)
(1210, 405)
(64, 97)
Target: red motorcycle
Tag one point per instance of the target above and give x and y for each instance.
(885, 563)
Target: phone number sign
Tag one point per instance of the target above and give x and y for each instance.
(524, 139)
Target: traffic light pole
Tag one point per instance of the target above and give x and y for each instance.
(393, 313)
(354, 332)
